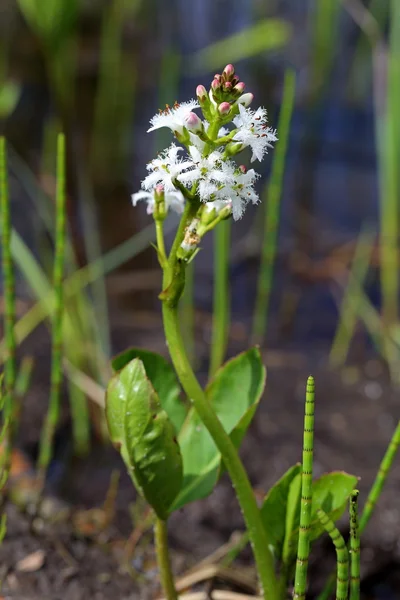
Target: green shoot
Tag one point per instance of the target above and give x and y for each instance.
(342, 555)
(354, 548)
(221, 311)
(273, 198)
(303, 550)
(46, 442)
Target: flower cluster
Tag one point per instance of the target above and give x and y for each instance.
(206, 170)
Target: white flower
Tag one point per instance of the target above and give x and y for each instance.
(253, 131)
(239, 189)
(173, 200)
(208, 171)
(218, 205)
(173, 117)
(167, 167)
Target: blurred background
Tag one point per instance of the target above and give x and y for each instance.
(327, 288)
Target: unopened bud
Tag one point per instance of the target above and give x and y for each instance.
(215, 85)
(246, 99)
(242, 168)
(235, 80)
(201, 92)
(217, 76)
(224, 108)
(229, 71)
(159, 192)
(227, 86)
(193, 123)
(240, 87)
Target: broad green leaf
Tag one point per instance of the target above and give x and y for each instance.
(331, 493)
(234, 394)
(163, 379)
(274, 509)
(149, 447)
(292, 519)
(266, 35)
(9, 95)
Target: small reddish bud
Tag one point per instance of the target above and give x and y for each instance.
(235, 80)
(229, 71)
(215, 85)
(159, 191)
(227, 85)
(224, 108)
(217, 76)
(193, 122)
(240, 87)
(246, 99)
(201, 92)
(242, 168)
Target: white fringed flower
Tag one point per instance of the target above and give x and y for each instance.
(253, 131)
(208, 171)
(166, 168)
(173, 200)
(239, 189)
(173, 117)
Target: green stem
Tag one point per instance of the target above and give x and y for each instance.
(342, 555)
(46, 442)
(303, 549)
(162, 256)
(163, 560)
(241, 483)
(354, 548)
(220, 327)
(380, 479)
(187, 314)
(10, 370)
(271, 222)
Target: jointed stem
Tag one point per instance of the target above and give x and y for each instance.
(300, 583)
(354, 548)
(163, 560)
(342, 555)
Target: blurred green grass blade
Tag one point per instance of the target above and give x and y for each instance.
(52, 20)
(10, 93)
(265, 36)
(272, 199)
(349, 311)
(324, 17)
(80, 418)
(24, 375)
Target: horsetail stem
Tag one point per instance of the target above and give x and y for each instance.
(380, 479)
(9, 403)
(52, 416)
(354, 548)
(342, 555)
(303, 549)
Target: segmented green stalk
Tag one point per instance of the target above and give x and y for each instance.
(272, 207)
(342, 555)
(380, 479)
(303, 549)
(354, 548)
(9, 404)
(46, 442)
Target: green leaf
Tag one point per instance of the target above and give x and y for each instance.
(138, 423)
(331, 493)
(163, 379)
(234, 394)
(292, 519)
(266, 35)
(51, 20)
(274, 509)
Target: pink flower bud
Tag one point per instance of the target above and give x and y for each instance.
(193, 122)
(215, 85)
(224, 108)
(159, 193)
(227, 85)
(242, 168)
(229, 71)
(240, 87)
(217, 76)
(201, 92)
(246, 99)
(235, 80)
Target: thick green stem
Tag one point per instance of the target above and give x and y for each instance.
(303, 551)
(222, 235)
(163, 560)
(241, 483)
